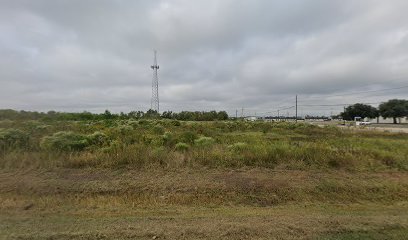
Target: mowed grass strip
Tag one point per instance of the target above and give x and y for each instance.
(306, 221)
(254, 187)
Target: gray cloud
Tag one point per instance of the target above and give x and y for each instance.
(94, 55)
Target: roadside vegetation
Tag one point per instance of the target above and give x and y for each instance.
(169, 179)
(166, 144)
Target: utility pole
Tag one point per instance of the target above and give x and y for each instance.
(296, 109)
(242, 113)
(278, 116)
(236, 114)
(344, 110)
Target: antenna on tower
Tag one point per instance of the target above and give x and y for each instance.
(154, 104)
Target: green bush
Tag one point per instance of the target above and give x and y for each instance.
(159, 130)
(144, 122)
(168, 139)
(98, 139)
(125, 129)
(13, 138)
(204, 141)
(182, 147)
(65, 141)
(188, 137)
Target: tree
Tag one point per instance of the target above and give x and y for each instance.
(107, 115)
(394, 108)
(152, 114)
(359, 110)
(222, 115)
(167, 114)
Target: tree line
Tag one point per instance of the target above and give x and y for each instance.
(394, 108)
(107, 115)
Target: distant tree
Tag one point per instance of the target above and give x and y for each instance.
(394, 108)
(359, 110)
(152, 114)
(222, 115)
(123, 115)
(167, 114)
(107, 115)
(134, 114)
(85, 115)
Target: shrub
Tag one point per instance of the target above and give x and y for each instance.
(188, 137)
(98, 139)
(13, 138)
(159, 130)
(204, 141)
(182, 147)
(168, 139)
(65, 141)
(125, 129)
(143, 122)
(132, 123)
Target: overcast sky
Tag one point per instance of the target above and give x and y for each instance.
(77, 55)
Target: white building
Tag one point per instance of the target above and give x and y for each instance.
(251, 118)
(386, 120)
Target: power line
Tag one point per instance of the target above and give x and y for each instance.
(333, 105)
(353, 93)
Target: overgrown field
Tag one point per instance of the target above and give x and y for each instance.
(164, 144)
(165, 179)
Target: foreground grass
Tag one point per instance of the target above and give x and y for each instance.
(206, 204)
(208, 180)
(283, 222)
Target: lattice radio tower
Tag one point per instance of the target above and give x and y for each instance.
(155, 85)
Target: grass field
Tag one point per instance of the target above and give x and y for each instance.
(200, 180)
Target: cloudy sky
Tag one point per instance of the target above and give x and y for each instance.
(76, 55)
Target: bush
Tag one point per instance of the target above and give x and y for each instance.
(182, 147)
(159, 130)
(143, 122)
(65, 141)
(125, 129)
(168, 139)
(13, 138)
(98, 139)
(204, 141)
(188, 137)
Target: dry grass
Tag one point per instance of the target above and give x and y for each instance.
(207, 204)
